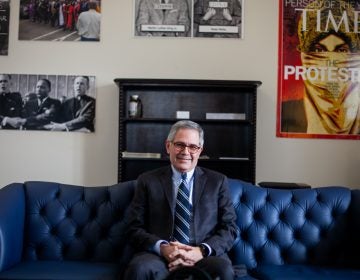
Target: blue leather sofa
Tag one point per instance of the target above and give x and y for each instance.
(56, 231)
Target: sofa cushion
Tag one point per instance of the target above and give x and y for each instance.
(302, 226)
(352, 258)
(66, 222)
(60, 270)
(301, 272)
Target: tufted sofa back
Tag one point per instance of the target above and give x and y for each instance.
(65, 222)
(290, 226)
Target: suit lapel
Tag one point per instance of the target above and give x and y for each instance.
(42, 105)
(167, 185)
(199, 185)
(82, 108)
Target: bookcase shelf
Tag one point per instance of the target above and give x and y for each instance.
(230, 144)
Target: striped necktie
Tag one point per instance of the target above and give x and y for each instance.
(182, 213)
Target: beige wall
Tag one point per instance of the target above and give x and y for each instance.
(91, 159)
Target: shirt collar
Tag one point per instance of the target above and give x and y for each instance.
(177, 175)
(42, 101)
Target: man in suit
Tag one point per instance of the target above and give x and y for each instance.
(47, 109)
(153, 214)
(214, 13)
(10, 104)
(44, 110)
(78, 112)
(163, 13)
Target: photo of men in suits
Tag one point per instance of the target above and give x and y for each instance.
(181, 215)
(44, 109)
(47, 102)
(77, 112)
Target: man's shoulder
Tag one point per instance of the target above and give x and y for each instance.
(202, 171)
(89, 98)
(15, 95)
(166, 171)
(54, 101)
(155, 173)
(11, 97)
(208, 171)
(69, 100)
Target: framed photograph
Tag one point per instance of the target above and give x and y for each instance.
(189, 18)
(47, 102)
(218, 19)
(319, 74)
(163, 18)
(4, 26)
(60, 20)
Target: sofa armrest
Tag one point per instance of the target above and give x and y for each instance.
(352, 257)
(12, 217)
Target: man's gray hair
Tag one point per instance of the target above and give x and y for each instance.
(186, 124)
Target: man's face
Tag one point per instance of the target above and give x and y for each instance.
(80, 86)
(182, 159)
(4, 83)
(42, 89)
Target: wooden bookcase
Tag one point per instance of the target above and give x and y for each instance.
(230, 144)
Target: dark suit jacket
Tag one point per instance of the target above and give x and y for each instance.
(47, 112)
(151, 215)
(10, 106)
(79, 113)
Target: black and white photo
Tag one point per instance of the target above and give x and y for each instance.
(189, 18)
(166, 18)
(218, 19)
(4, 26)
(47, 102)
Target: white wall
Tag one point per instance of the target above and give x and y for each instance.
(91, 159)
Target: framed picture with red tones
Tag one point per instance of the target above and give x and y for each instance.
(319, 69)
(60, 20)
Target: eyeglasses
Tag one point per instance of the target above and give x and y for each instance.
(180, 146)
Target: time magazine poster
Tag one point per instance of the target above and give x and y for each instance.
(319, 69)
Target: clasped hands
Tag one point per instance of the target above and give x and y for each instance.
(53, 126)
(212, 11)
(15, 122)
(178, 255)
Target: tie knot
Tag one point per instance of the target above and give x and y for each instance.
(183, 176)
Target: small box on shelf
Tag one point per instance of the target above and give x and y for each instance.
(234, 158)
(182, 114)
(225, 116)
(126, 154)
